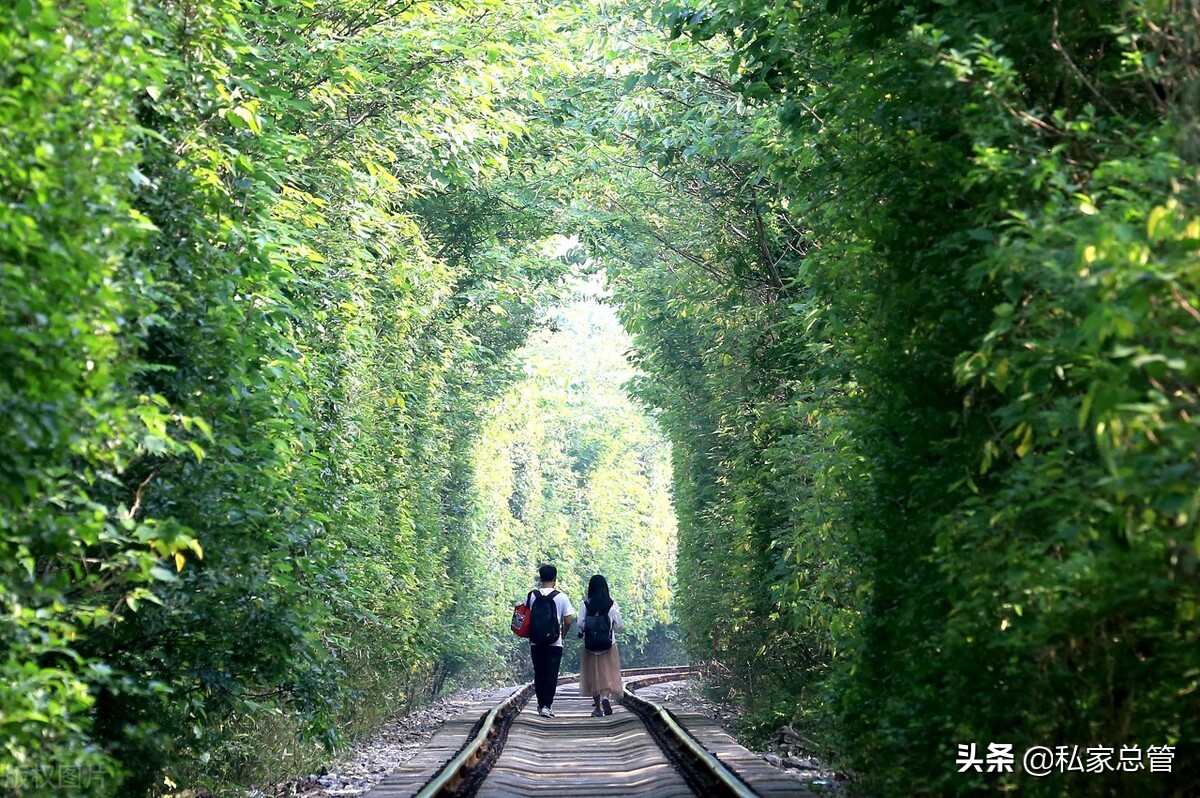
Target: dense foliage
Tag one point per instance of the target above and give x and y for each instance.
(260, 272)
(913, 290)
(926, 346)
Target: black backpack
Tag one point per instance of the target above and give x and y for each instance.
(597, 632)
(544, 626)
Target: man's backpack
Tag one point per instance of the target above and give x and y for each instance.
(597, 632)
(544, 625)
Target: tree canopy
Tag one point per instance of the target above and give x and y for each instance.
(300, 376)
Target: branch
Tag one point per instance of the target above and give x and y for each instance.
(364, 24)
(1056, 45)
(137, 497)
(660, 238)
(373, 108)
(1183, 303)
(764, 249)
(724, 84)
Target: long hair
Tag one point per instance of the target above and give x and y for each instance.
(598, 599)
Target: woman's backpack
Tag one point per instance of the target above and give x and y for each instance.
(597, 632)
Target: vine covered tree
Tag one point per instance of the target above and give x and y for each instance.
(912, 293)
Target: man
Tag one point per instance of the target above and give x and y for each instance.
(551, 618)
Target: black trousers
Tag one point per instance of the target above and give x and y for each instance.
(546, 662)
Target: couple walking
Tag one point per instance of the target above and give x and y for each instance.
(599, 664)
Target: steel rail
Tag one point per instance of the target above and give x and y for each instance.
(451, 775)
(706, 758)
(448, 779)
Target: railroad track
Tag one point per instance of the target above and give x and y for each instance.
(498, 750)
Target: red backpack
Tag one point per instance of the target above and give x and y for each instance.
(521, 617)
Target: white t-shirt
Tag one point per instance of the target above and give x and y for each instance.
(564, 608)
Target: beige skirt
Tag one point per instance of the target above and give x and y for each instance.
(599, 673)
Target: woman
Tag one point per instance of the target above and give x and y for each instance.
(600, 664)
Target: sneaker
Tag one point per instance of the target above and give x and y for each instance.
(549, 712)
(596, 713)
(607, 706)
(544, 711)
